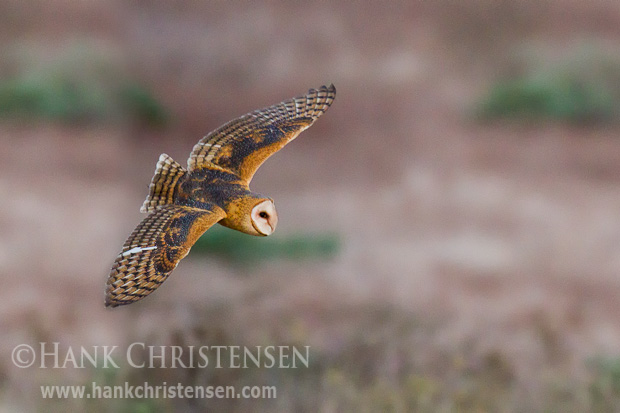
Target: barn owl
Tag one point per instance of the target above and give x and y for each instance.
(183, 203)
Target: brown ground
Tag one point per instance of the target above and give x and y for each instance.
(498, 241)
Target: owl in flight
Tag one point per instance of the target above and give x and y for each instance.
(182, 204)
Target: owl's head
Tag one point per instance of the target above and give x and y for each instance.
(264, 217)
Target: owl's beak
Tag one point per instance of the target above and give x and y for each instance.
(273, 222)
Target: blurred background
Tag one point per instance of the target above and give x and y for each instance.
(449, 230)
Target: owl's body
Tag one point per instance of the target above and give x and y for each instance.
(182, 204)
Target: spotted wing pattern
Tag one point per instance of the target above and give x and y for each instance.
(154, 249)
(242, 145)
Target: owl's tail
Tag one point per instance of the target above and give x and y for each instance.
(164, 182)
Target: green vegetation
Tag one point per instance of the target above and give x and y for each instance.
(74, 85)
(550, 95)
(583, 87)
(58, 96)
(238, 248)
(141, 105)
(604, 390)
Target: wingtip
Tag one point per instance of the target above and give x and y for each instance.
(328, 88)
(330, 92)
(108, 301)
(108, 298)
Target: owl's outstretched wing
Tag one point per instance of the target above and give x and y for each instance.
(154, 249)
(242, 145)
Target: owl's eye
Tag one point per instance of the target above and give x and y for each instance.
(263, 214)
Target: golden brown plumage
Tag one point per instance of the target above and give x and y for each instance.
(183, 204)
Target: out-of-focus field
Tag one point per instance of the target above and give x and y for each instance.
(478, 261)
